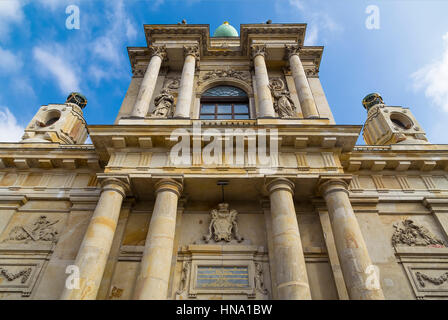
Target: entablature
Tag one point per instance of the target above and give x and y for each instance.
(24, 156)
(397, 158)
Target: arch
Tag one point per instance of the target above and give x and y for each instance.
(208, 84)
(224, 102)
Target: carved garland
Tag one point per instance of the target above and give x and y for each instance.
(219, 74)
(421, 277)
(259, 278)
(184, 277)
(25, 274)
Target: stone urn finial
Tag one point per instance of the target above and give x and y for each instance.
(77, 98)
(372, 100)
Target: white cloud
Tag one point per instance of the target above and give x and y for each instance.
(58, 67)
(54, 5)
(22, 85)
(11, 11)
(10, 130)
(319, 22)
(433, 79)
(9, 62)
(109, 46)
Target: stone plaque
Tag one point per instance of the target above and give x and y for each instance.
(220, 277)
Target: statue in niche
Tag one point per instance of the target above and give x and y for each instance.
(223, 225)
(283, 104)
(414, 235)
(163, 105)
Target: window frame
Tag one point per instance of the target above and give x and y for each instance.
(227, 100)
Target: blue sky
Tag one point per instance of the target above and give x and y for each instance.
(41, 61)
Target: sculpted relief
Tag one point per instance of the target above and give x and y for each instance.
(217, 74)
(410, 234)
(283, 104)
(223, 225)
(41, 229)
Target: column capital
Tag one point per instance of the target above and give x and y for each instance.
(159, 51)
(280, 184)
(292, 49)
(333, 184)
(192, 50)
(118, 184)
(258, 50)
(168, 184)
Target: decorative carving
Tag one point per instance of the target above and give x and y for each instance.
(259, 278)
(172, 84)
(25, 274)
(258, 50)
(312, 72)
(138, 72)
(283, 104)
(421, 277)
(292, 49)
(159, 51)
(116, 292)
(41, 229)
(223, 224)
(192, 51)
(413, 235)
(215, 74)
(163, 105)
(184, 277)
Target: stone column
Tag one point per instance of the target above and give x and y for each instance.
(152, 281)
(186, 82)
(95, 247)
(141, 106)
(290, 268)
(306, 98)
(265, 105)
(352, 251)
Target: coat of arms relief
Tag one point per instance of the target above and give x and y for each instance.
(223, 225)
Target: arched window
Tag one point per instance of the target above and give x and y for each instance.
(224, 102)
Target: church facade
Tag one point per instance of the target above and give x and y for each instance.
(224, 176)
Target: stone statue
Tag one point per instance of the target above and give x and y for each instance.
(283, 104)
(163, 105)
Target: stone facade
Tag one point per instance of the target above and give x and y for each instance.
(325, 219)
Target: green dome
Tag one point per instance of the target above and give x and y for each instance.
(225, 30)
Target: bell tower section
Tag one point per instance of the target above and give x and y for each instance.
(387, 125)
(60, 123)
